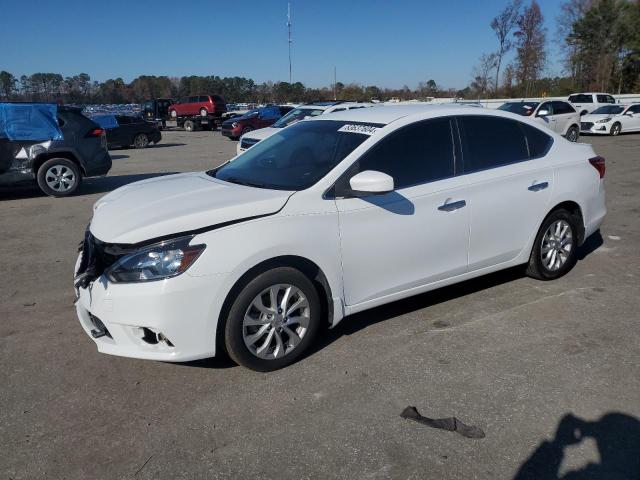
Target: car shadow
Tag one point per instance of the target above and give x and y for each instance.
(590, 245)
(118, 157)
(163, 145)
(90, 186)
(617, 437)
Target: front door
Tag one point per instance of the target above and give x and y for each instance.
(415, 235)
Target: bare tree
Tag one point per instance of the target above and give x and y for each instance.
(482, 74)
(530, 46)
(503, 24)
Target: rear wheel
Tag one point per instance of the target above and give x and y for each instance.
(554, 252)
(189, 126)
(141, 141)
(173, 114)
(273, 320)
(203, 112)
(616, 128)
(572, 134)
(59, 177)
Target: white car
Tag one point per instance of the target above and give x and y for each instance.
(328, 217)
(556, 115)
(299, 113)
(612, 119)
(587, 102)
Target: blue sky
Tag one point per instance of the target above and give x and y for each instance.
(386, 43)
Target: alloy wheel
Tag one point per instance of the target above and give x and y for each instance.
(557, 244)
(276, 321)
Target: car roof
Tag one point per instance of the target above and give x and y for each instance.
(385, 114)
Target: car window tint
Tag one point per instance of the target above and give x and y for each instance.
(634, 109)
(538, 142)
(490, 142)
(194, 99)
(418, 153)
(581, 98)
(562, 107)
(602, 99)
(204, 98)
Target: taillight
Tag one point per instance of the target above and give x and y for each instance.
(96, 132)
(599, 164)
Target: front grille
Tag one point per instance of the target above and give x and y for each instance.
(96, 257)
(248, 142)
(586, 125)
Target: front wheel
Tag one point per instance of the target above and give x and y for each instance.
(59, 177)
(554, 252)
(273, 320)
(616, 128)
(203, 112)
(572, 134)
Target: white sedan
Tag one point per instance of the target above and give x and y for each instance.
(612, 120)
(326, 218)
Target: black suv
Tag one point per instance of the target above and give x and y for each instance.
(56, 163)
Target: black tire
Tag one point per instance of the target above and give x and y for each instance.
(573, 134)
(616, 128)
(536, 268)
(70, 175)
(141, 140)
(189, 126)
(246, 130)
(233, 329)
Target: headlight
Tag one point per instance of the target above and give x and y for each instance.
(155, 262)
(234, 124)
(604, 120)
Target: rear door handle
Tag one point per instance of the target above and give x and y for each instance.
(538, 186)
(451, 206)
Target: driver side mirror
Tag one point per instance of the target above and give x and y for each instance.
(542, 113)
(371, 181)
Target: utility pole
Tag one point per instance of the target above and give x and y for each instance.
(289, 27)
(335, 97)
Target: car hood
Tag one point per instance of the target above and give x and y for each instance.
(174, 204)
(262, 133)
(595, 117)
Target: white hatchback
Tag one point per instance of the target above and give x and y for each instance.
(326, 218)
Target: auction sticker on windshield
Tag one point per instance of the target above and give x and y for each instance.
(363, 129)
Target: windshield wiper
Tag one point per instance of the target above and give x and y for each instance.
(246, 183)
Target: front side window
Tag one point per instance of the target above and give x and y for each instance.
(489, 142)
(548, 107)
(294, 158)
(634, 109)
(562, 108)
(418, 153)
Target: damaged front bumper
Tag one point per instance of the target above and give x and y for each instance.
(171, 320)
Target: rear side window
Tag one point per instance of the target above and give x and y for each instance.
(581, 98)
(194, 99)
(419, 153)
(562, 107)
(634, 109)
(538, 142)
(204, 98)
(489, 142)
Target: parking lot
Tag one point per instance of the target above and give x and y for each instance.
(506, 353)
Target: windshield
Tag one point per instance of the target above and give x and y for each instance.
(521, 108)
(296, 115)
(296, 157)
(608, 110)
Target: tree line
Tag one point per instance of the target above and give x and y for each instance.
(599, 40)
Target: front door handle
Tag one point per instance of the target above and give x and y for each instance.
(451, 206)
(538, 186)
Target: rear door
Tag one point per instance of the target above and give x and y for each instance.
(565, 115)
(415, 235)
(510, 183)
